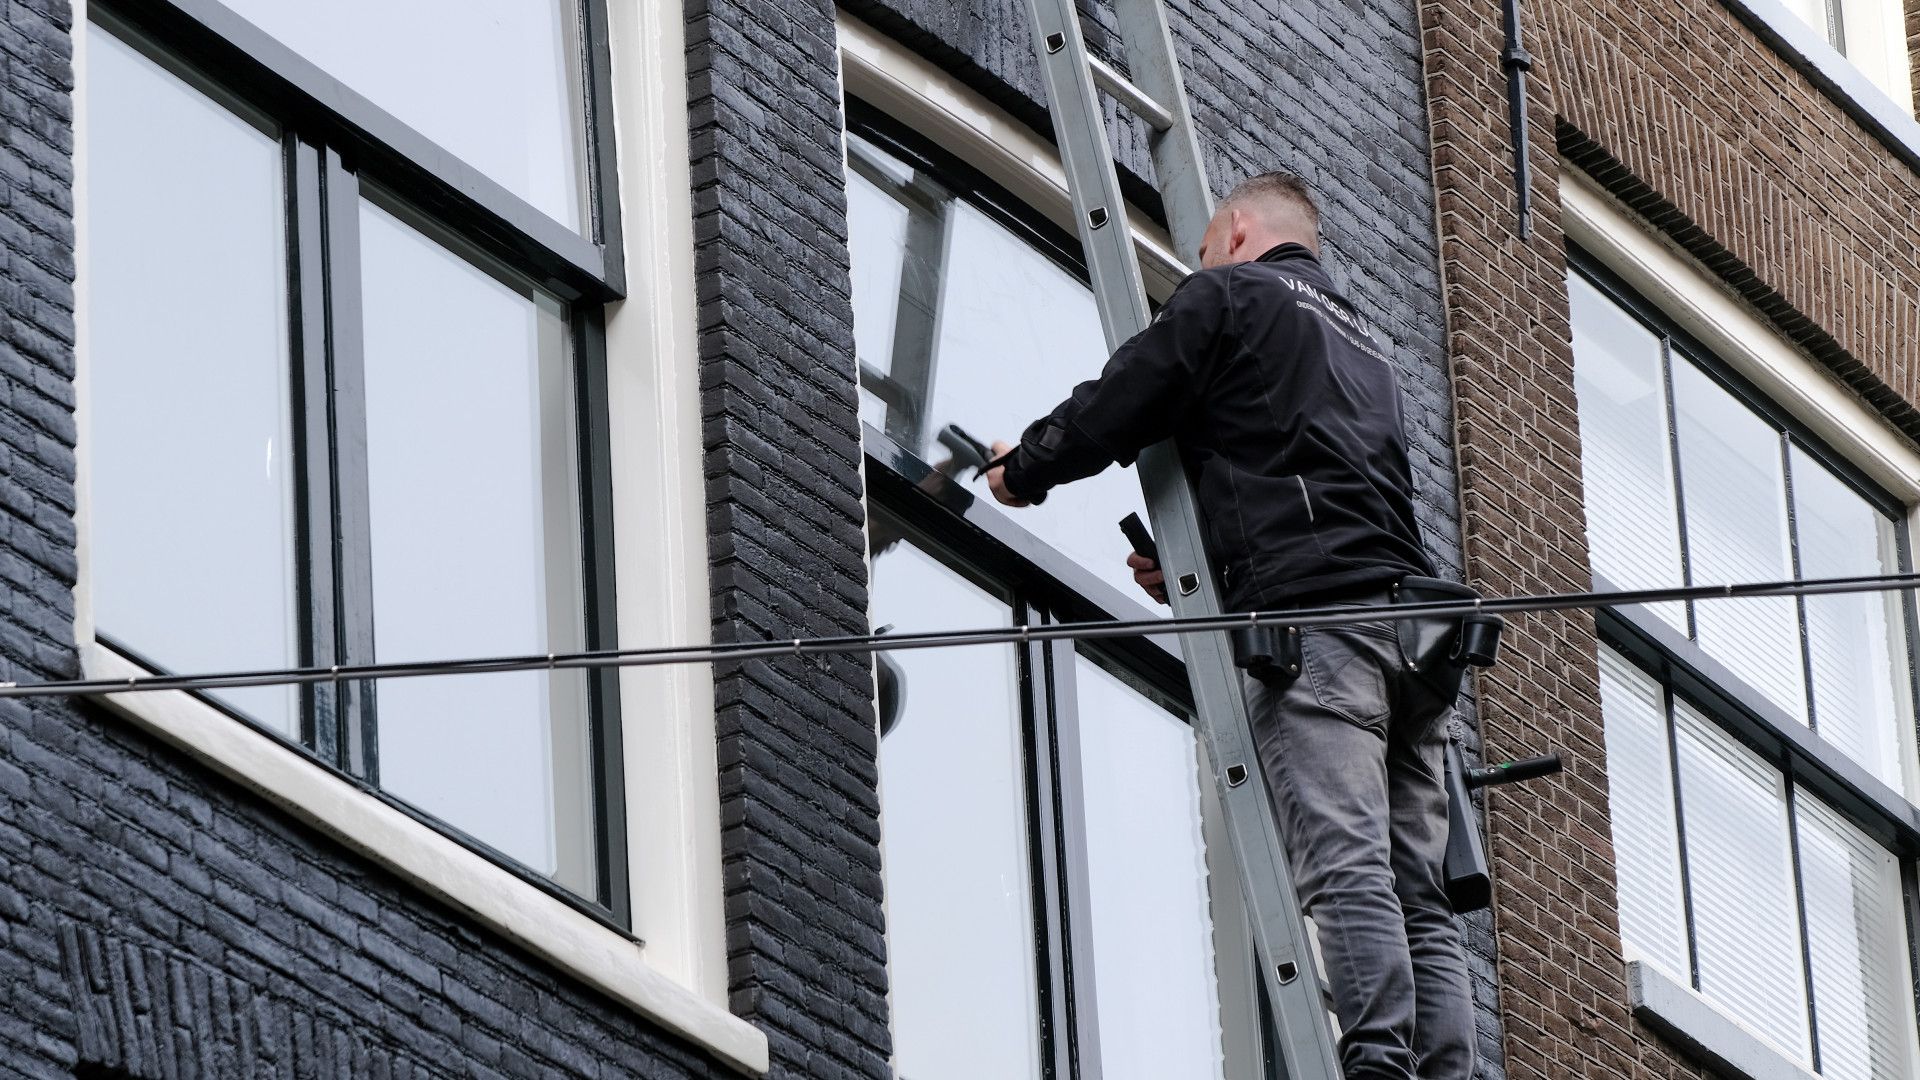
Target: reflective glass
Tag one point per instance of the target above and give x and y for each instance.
(1857, 643)
(1857, 940)
(496, 82)
(1735, 492)
(1646, 834)
(189, 456)
(981, 330)
(954, 833)
(879, 226)
(1745, 919)
(1146, 864)
(1626, 459)
(476, 547)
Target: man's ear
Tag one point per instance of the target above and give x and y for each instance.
(1236, 229)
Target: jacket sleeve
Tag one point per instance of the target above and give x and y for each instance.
(1140, 398)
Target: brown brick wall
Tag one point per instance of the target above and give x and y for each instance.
(1714, 137)
(1683, 113)
(1562, 983)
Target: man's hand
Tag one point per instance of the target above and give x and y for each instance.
(997, 478)
(1147, 575)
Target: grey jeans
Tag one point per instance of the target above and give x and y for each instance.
(1354, 753)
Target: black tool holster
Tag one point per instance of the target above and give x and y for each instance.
(1268, 653)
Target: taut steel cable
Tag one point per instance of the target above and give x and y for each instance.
(873, 643)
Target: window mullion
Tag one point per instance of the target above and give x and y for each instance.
(352, 536)
(1909, 723)
(1048, 679)
(320, 717)
(601, 162)
(596, 517)
(1800, 910)
(1076, 901)
(1910, 906)
(1679, 487)
(1680, 833)
(1799, 574)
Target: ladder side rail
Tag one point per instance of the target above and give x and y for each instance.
(1299, 1005)
(1287, 967)
(1304, 1034)
(1179, 170)
(1099, 209)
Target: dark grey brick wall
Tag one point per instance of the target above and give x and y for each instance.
(782, 461)
(155, 921)
(1334, 91)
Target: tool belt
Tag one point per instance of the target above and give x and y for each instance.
(1437, 647)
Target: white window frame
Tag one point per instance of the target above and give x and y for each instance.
(672, 970)
(1708, 310)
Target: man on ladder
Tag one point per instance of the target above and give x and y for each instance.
(1287, 415)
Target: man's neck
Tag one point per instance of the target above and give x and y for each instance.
(1286, 248)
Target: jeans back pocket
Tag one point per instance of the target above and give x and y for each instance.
(1352, 668)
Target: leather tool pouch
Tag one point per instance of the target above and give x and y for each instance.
(1442, 648)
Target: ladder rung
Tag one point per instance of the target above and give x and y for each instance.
(1157, 116)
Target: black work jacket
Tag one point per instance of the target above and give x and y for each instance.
(1287, 414)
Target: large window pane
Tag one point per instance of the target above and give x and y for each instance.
(190, 455)
(982, 330)
(497, 82)
(476, 547)
(1735, 496)
(1626, 459)
(1857, 940)
(1746, 926)
(1646, 835)
(1146, 862)
(953, 810)
(1857, 642)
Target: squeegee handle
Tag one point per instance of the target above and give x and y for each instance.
(1514, 771)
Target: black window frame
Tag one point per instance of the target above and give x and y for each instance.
(983, 543)
(1686, 673)
(1653, 638)
(1050, 725)
(337, 147)
(976, 530)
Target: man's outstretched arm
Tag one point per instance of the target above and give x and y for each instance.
(1138, 400)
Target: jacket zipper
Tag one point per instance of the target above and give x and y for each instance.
(1304, 497)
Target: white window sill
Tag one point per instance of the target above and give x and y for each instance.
(610, 962)
(1701, 1031)
(1891, 121)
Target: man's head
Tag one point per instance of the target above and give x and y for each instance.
(1260, 213)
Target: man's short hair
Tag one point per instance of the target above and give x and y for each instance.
(1272, 193)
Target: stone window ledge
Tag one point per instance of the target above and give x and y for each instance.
(1703, 1032)
(599, 957)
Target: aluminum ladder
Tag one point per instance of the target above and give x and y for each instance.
(1303, 1035)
